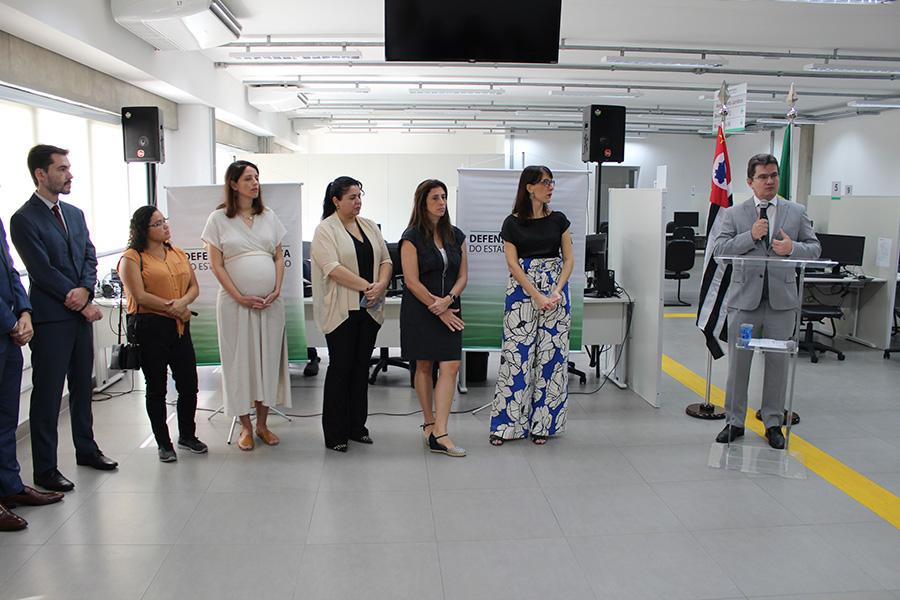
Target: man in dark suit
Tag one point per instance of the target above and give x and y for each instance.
(15, 332)
(52, 239)
(763, 295)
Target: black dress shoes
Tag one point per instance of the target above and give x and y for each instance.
(729, 434)
(775, 437)
(54, 480)
(10, 521)
(98, 461)
(30, 497)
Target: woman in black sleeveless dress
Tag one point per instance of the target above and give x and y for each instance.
(433, 255)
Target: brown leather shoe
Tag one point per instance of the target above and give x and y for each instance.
(10, 521)
(268, 437)
(31, 497)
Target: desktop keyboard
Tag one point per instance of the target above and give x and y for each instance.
(828, 275)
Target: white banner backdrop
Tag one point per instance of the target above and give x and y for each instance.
(189, 207)
(484, 200)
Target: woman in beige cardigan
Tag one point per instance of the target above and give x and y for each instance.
(351, 270)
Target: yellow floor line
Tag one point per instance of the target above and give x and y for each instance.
(859, 487)
(680, 315)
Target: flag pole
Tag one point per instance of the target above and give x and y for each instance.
(707, 410)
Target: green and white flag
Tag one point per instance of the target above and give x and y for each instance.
(784, 178)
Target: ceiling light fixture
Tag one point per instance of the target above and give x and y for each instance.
(684, 63)
(829, 67)
(587, 93)
(713, 98)
(875, 104)
(656, 117)
(358, 89)
(786, 121)
(291, 56)
(475, 91)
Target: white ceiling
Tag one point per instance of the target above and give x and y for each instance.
(722, 29)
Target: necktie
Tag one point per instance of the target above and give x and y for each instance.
(763, 207)
(58, 216)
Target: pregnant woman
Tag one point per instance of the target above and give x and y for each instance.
(243, 238)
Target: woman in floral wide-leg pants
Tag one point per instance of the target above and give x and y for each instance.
(532, 385)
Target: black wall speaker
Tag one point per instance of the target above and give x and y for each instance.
(603, 136)
(142, 131)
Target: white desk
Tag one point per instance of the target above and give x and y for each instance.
(605, 324)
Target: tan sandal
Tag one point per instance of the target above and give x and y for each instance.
(269, 438)
(245, 441)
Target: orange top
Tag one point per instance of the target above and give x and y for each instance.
(168, 279)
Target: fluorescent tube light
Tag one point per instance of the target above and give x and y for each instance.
(645, 61)
(786, 121)
(583, 93)
(291, 56)
(860, 69)
(475, 91)
(656, 117)
(713, 98)
(872, 104)
(336, 90)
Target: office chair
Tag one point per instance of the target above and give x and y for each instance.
(680, 257)
(395, 288)
(670, 227)
(817, 313)
(683, 233)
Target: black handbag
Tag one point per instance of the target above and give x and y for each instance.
(127, 356)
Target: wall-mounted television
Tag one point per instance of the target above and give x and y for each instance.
(515, 31)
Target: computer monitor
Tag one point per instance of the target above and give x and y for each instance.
(595, 263)
(843, 249)
(686, 219)
(396, 286)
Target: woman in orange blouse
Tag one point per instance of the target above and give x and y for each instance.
(160, 285)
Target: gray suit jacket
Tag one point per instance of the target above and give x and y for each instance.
(745, 290)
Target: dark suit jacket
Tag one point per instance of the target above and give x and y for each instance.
(13, 299)
(56, 262)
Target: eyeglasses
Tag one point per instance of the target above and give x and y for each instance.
(547, 182)
(765, 176)
(159, 223)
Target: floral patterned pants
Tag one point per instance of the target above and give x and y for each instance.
(532, 384)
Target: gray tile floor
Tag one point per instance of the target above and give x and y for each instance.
(622, 506)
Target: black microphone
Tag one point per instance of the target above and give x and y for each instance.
(763, 207)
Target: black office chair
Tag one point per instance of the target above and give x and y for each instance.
(680, 257)
(683, 233)
(670, 227)
(395, 288)
(817, 313)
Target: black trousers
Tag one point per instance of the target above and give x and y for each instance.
(346, 401)
(161, 348)
(60, 351)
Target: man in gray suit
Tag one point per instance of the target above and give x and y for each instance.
(764, 295)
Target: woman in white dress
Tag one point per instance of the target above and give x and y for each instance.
(243, 238)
